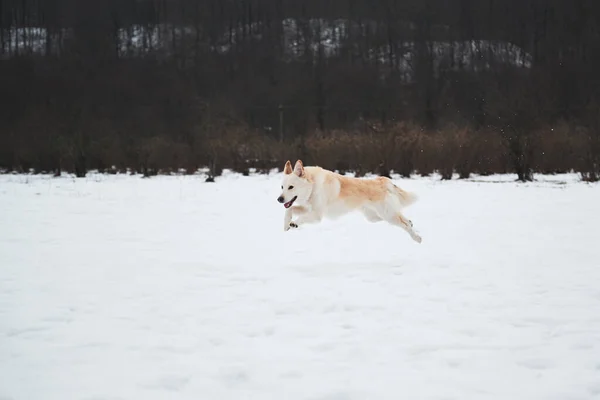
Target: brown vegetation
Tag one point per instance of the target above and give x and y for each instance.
(401, 148)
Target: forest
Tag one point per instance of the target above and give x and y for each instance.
(405, 86)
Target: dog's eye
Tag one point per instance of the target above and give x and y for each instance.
(290, 188)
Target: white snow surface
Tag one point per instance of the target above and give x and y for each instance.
(118, 287)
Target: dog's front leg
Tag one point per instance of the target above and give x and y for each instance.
(289, 213)
(287, 219)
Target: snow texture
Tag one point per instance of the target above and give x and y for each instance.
(117, 287)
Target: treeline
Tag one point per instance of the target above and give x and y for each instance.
(414, 86)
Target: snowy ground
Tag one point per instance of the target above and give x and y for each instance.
(116, 287)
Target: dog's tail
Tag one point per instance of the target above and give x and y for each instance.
(406, 198)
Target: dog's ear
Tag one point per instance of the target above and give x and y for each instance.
(288, 168)
(299, 168)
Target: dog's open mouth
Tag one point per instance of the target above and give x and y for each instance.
(289, 203)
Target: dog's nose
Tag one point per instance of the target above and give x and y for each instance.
(280, 199)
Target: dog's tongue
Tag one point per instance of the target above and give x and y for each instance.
(288, 204)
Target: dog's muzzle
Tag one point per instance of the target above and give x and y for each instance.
(289, 203)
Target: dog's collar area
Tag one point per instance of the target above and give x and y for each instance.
(289, 203)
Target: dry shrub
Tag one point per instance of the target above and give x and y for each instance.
(401, 148)
(454, 146)
(338, 150)
(404, 148)
(158, 154)
(590, 131)
(395, 148)
(108, 152)
(559, 149)
(425, 154)
(240, 148)
(489, 152)
(405, 142)
(6, 152)
(353, 151)
(459, 150)
(407, 148)
(588, 164)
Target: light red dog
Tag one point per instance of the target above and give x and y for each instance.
(311, 193)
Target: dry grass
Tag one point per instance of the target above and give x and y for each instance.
(403, 148)
(407, 149)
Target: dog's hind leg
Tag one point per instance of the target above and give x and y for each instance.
(371, 215)
(400, 220)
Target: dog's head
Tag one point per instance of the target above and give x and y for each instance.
(296, 188)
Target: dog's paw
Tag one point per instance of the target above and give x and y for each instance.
(290, 226)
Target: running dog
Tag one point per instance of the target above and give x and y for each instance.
(311, 193)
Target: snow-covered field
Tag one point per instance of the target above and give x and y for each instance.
(117, 287)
